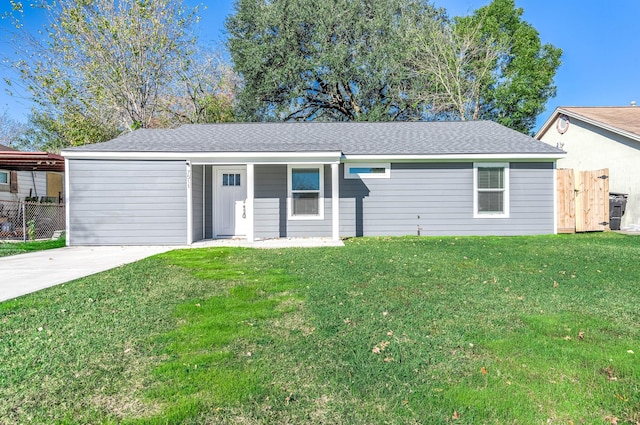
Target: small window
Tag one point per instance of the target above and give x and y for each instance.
(230, 179)
(305, 192)
(367, 171)
(491, 184)
(4, 177)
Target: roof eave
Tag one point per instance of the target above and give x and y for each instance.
(458, 157)
(587, 120)
(328, 157)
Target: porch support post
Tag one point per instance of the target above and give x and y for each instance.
(335, 201)
(249, 201)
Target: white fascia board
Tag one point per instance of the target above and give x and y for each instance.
(200, 158)
(536, 157)
(547, 124)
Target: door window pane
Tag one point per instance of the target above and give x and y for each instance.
(231, 179)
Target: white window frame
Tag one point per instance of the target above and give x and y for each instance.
(506, 190)
(349, 175)
(290, 215)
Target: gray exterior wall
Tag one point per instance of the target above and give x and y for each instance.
(438, 197)
(127, 202)
(197, 199)
(270, 206)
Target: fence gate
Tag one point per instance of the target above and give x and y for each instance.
(583, 200)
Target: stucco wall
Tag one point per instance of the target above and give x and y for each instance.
(591, 148)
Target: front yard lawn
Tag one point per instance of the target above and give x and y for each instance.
(520, 330)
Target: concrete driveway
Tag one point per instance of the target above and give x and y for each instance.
(26, 273)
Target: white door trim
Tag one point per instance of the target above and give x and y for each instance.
(217, 171)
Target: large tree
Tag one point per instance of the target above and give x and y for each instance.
(324, 60)
(522, 80)
(113, 66)
(391, 60)
(452, 66)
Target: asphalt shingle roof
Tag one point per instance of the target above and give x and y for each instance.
(350, 138)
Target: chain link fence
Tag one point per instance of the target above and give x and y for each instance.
(25, 221)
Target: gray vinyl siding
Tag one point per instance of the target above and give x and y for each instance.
(270, 206)
(197, 194)
(439, 199)
(270, 201)
(115, 202)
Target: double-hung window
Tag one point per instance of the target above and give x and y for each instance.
(491, 190)
(306, 200)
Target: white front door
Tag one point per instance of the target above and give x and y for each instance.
(230, 201)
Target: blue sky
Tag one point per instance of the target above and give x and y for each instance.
(600, 43)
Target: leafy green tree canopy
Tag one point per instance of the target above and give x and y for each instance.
(392, 60)
(522, 81)
(323, 60)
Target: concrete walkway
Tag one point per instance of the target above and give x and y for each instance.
(25, 273)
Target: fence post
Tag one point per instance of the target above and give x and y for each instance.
(24, 224)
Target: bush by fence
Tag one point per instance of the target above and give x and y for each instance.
(31, 220)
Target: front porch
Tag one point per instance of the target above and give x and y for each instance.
(261, 203)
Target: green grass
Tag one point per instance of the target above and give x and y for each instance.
(14, 248)
(522, 330)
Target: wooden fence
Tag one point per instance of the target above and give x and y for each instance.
(583, 200)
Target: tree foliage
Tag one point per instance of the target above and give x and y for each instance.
(10, 130)
(451, 68)
(392, 60)
(100, 67)
(329, 60)
(522, 80)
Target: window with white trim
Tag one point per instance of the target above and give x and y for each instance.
(491, 190)
(306, 185)
(368, 171)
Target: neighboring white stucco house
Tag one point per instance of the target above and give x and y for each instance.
(600, 137)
